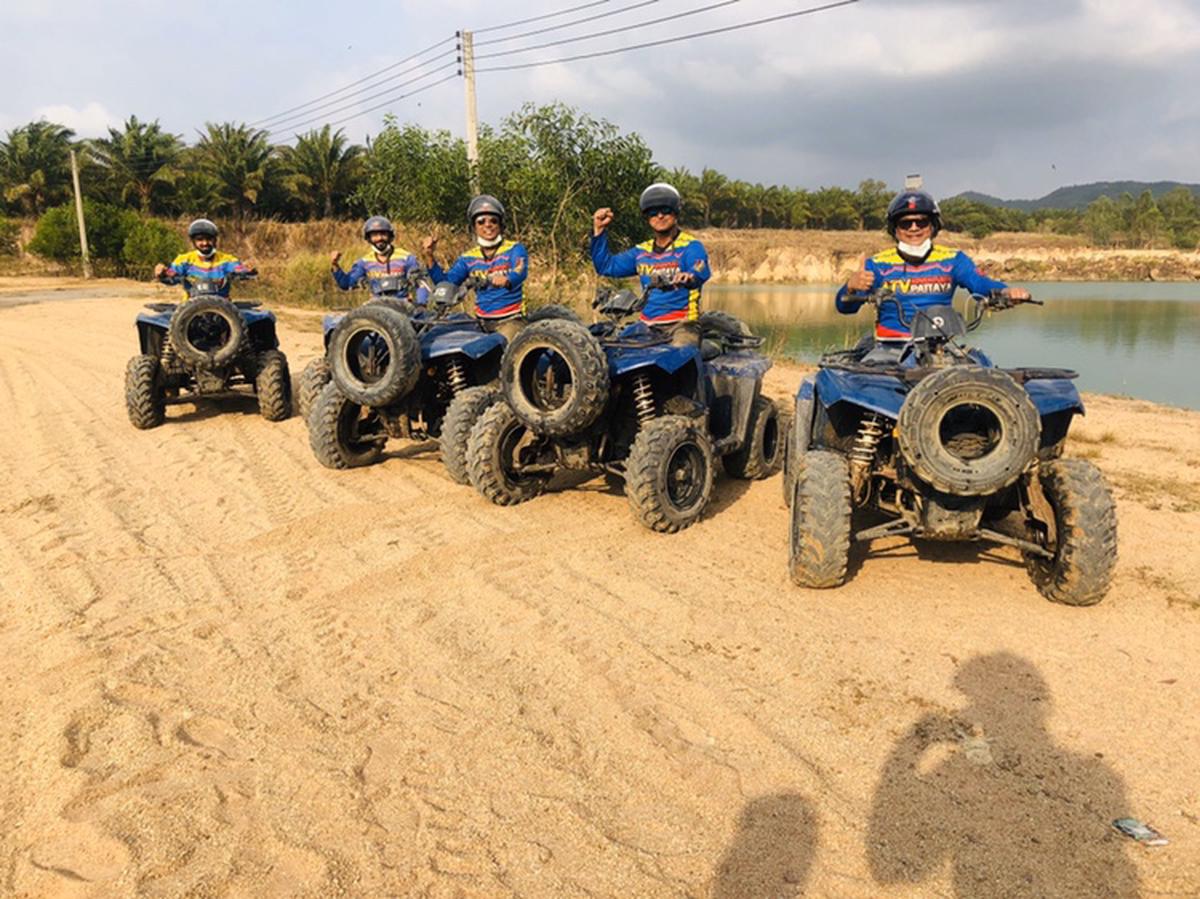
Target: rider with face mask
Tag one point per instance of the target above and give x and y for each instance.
(204, 262)
(920, 272)
(383, 261)
(499, 265)
(671, 253)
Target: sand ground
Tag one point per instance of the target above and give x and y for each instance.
(228, 671)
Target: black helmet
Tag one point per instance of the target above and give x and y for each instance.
(485, 204)
(658, 195)
(913, 202)
(202, 228)
(378, 223)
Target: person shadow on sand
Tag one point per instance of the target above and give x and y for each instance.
(771, 852)
(987, 791)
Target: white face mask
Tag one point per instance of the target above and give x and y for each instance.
(488, 244)
(916, 251)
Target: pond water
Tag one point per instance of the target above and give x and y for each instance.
(1139, 339)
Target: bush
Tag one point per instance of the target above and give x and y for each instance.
(305, 281)
(149, 242)
(10, 232)
(57, 234)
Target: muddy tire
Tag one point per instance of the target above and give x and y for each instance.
(144, 393)
(273, 385)
(820, 523)
(495, 439)
(312, 381)
(563, 398)
(460, 418)
(1085, 527)
(374, 356)
(762, 453)
(968, 430)
(553, 311)
(342, 433)
(207, 333)
(799, 436)
(669, 473)
(720, 323)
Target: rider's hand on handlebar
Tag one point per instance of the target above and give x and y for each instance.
(862, 280)
(601, 219)
(159, 270)
(499, 279)
(1016, 295)
(682, 279)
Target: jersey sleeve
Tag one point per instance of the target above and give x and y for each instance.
(967, 274)
(695, 262)
(350, 279)
(518, 268)
(176, 271)
(621, 265)
(458, 272)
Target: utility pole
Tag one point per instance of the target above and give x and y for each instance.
(468, 58)
(83, 247)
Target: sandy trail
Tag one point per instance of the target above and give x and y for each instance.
(230, 672)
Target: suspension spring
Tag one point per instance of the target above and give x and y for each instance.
(167, 359)
(870, 431)
(643, 398)
(455, 376)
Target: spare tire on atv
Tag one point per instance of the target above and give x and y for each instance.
(968, 430)
(718, 324)
(207, 332)
(374, 355)
(554, 375)
(553, 310)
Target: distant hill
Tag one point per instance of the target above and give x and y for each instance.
(1078, 196)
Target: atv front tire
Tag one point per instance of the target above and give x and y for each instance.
(312, 381)
(669, 473)
(342, 433)
(144, 393)
(460, 418)
(273, 385)
(493, 451)
(1085, 535)
(820, 525)
(762, 452)
(554, 375)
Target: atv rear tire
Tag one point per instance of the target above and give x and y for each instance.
(1085, 528)
(968, 430)
(820, 525)
(312, 381)
(144, 393)
(669, 473)
(558, 410)
(464, 410)
(762, 453)
(273, 385)
(799, 437)
(186, 324)
(495, 438)
(374, 370)
(342, 433)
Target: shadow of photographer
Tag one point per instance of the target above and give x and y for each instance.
(772, 851)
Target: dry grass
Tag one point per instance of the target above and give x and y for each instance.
(1156, 493)
(1176, 592)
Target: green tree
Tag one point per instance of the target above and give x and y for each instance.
(1102, 221)
(139, 161)
(1181, 215)
(57, 234)
(712, 192)
(833, 208)
(415, 175)
(239, 162)
(321, 170)
(35, 168)
(871, 202)
(1148, 226)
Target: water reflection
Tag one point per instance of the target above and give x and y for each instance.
(1141, 339)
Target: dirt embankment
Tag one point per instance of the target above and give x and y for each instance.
(228, 671)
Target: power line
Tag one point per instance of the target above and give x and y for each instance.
(347, 87)
(596, 34)
(549, 15)
(603, 15)
(289, 125)
(392, 100)
(669, 40)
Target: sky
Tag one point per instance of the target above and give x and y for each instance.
(1009, 97)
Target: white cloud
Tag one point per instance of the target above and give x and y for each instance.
(93, 120)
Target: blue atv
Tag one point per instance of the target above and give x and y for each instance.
(398, 369)
(625, 401)
(929, 439)
(206, 348)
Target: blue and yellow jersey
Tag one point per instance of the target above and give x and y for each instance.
(191, 266)
(685, 254)
(510, 260)
(400, 262)
(929, 283)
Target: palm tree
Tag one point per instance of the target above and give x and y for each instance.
(712, 189)
(239, 160)
(139, 159)
(35, 169)
(322, 166)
